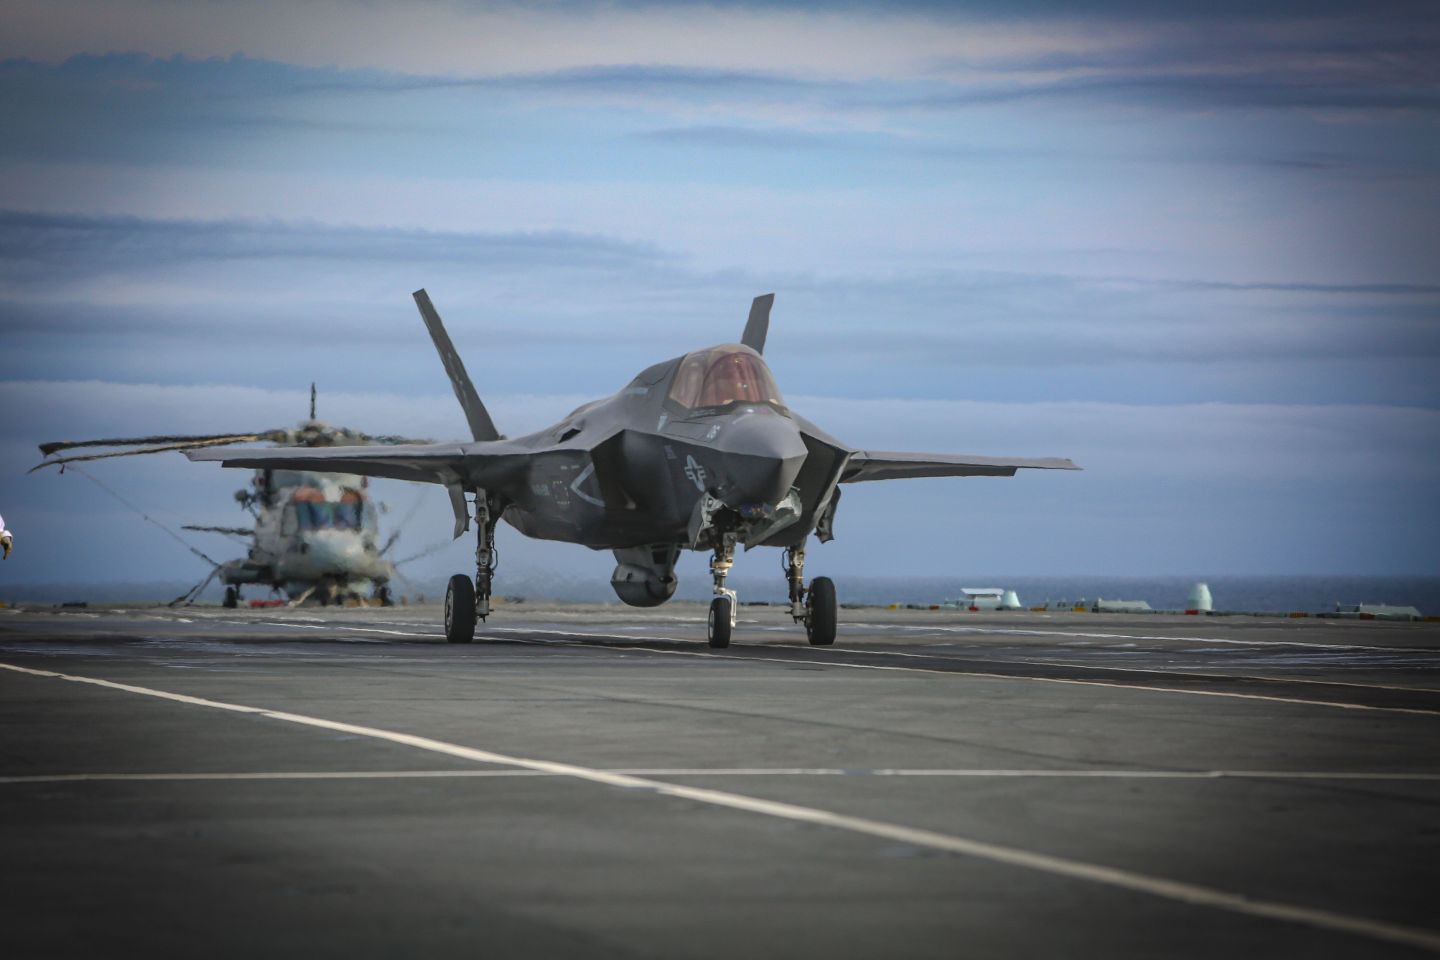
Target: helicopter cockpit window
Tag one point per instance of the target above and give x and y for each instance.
(724, 375)
(314, 512)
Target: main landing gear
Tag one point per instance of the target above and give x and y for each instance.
(813, 606)
(467, 602)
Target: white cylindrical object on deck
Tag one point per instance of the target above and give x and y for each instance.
(1200, 598)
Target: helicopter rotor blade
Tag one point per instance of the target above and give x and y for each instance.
(189, 596)
(56, 445)
(231, 531)
(404, 521)
(434, 548)
(190, 445)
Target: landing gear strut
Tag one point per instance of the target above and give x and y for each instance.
(813, 606)
(722, 608)
(466, 602)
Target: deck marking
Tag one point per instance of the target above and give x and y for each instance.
(1114, 669)
(298, 775)
(1175, 890)
(948, 673)
(740, 772)
(331, 626)
(1020, 632)
(960, 673)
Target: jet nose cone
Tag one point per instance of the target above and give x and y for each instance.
(763, 453)
(764, 434)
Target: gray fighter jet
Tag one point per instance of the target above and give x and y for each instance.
(695, 453)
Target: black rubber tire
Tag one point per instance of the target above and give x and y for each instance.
(460, 609)
(232, 598)
(820, 612)
(717, 628)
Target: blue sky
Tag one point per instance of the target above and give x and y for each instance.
(1194, 247)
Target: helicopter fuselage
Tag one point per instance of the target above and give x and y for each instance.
(311, 530)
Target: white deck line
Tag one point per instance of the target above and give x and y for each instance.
(1119, 669)
(1088, 635)
(931, 670)
(958, 673)
(738, 772)
(902, 653)
(1011, 856)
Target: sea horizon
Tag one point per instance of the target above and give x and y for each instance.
(1310, 593)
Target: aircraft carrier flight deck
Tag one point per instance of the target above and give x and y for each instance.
(591, 781)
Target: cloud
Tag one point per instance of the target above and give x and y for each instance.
(37, 246)
(1086, 227)
(1185, 92)
(159, 300)
(465, 39)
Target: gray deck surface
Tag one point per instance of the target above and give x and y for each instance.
(1193, 787)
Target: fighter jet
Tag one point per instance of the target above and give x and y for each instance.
(699, 452)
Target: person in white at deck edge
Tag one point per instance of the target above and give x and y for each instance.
(6, 540)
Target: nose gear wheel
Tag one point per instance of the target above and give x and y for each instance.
(720, 624)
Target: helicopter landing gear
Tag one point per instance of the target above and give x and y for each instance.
(722, 609)
(813, 606)
(232, 598)
(383, 597)
(467, 602)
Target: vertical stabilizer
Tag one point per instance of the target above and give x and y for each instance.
(481, 426)
(759, 323)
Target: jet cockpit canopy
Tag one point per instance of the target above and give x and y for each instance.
(719, 376)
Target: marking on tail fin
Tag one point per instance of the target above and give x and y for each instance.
(481, 426)
(759, 323)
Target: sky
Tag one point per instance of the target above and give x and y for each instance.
(1193, 247)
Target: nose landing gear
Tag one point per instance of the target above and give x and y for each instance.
(814, 606)
(722, 609)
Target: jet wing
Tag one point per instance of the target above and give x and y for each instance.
(491, 465)
(889, 465)
(496, 465)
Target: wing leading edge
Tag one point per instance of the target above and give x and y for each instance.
(866, 465)
(476, 464)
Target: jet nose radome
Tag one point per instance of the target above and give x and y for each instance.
(763, 453)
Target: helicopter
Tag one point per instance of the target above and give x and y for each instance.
(313, 535)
